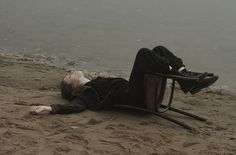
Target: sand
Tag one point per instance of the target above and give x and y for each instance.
(27, 81)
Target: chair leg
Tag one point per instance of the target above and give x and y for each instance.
(186, 113)
(157, 114)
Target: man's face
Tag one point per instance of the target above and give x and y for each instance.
(75, 78)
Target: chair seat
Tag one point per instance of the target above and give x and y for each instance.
(154, 88)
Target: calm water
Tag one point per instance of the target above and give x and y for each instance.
(107, 33)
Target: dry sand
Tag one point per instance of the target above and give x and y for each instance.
(25, 82)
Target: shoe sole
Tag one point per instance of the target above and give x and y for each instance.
(204, 84)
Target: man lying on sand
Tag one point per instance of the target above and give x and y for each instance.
(104, 92)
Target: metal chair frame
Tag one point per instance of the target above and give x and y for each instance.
(154, 97)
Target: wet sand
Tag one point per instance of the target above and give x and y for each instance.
(28, 81)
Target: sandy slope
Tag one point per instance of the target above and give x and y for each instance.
(25, 82)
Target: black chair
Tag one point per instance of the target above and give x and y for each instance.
(155, 88)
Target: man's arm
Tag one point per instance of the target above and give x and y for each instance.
(75, 106)
(85, 98)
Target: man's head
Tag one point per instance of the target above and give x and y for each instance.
(71, 81)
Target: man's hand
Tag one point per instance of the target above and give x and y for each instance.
(35, 110)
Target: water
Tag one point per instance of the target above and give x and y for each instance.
(108, 33)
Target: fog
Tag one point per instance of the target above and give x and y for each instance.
(108, 33)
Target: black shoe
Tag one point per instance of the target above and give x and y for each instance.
(195, 78)
(186, 86)
(205, 82)
(193, 75)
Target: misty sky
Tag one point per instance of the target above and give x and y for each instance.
(108, 33)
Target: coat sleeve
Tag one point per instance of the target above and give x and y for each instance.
(75, 106)
(82, 99)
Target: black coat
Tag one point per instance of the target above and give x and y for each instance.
(99, 93)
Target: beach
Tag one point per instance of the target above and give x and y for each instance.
(29, 80)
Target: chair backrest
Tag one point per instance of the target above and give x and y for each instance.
(154, 88)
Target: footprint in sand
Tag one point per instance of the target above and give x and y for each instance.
(62, 149)
(119, 126)
(91, 121)
(112, 142)
(134, 139)
(8, 134)
(76, 139)
(189, 144)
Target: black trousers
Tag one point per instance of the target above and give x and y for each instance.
(149, 61)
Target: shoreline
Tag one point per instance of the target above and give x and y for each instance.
(30, 80)
(61, 61)
(70, 63)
